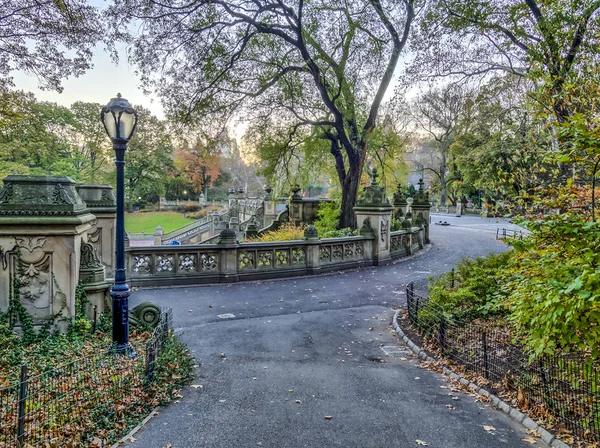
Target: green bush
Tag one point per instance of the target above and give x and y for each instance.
(553, 286)
(328, 218)
(548, 287)
(189, 206)
(288, 231)
(347, 231)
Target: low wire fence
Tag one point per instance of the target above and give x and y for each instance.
(75, 400)
(503, 234)
(564, 387)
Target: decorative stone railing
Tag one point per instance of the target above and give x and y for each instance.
(219, 263)
(404, 243)
(194, 228)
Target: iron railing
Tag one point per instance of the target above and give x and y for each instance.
(566, 386)
(73, 401)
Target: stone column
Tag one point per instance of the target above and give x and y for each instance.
(101, 202)
(296, 214)
(158, 234)
(269, 206)
(228, 262)
(43, 225)
(311, 236)
(373, 215)
(421, 209)
(400, 204)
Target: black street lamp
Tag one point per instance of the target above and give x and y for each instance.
(119, 120)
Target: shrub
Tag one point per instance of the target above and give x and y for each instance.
(328, 218)
(347, 231)
(396, 225)
(553, 286)
(189, 206)
(197, 215)
(473, 289)
(287, 232)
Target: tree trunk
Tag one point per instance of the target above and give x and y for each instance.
(349, 195)
(443, 176)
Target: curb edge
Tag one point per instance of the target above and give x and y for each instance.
(510, 411)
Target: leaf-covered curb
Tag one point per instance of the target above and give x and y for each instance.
(512, 412)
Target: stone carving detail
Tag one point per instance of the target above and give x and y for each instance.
(373, 195)
(298, 255)
(348, 251)
(246, 260)
(141, 264)
(367, 229)
(30, 243)
(165, 263)
(35, 287)
(337, 252)
(89, 256)
(187, 262)
(95, 237)
(396, 243)
(324, 253)
(281, 257)
(208, 262)
(265, 259)
(6, 193)
(61, 196)
(385, 227)
(107, 195)
(359, 249)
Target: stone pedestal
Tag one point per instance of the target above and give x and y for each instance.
(373, 216)
(43, 223)
(158, 234)
(421, 208)
(400, 204)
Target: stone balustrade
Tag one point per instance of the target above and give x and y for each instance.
(222, 263)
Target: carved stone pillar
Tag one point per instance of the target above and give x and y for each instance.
(101, 202)
(421, 208)
(373, 216)
(43, 223)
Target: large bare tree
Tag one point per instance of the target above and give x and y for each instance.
(300, 63)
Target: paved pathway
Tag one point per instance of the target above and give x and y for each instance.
(299, 350)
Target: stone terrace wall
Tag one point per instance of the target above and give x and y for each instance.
(221, 263)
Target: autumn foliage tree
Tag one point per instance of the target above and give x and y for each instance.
(199, 163)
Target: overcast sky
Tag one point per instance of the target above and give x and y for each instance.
(97, 85)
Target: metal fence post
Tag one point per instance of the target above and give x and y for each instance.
(95, 319)
(22, 404)
(452, 273)
(486, 372)
(150, 360)
(442, 333)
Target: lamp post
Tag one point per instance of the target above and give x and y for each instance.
(119, 120)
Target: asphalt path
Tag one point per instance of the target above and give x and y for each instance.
(312, 362)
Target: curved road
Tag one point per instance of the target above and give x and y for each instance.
(301, 349)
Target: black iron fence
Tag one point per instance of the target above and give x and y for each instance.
(563, 387)
(75, 400)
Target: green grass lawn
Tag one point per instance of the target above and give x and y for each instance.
(146, 222)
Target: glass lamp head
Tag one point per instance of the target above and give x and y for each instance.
(119, 119)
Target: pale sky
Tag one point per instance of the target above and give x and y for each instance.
(105, 79)
(97, 85)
